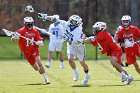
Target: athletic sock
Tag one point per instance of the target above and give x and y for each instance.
(45, 76)
(123, 73)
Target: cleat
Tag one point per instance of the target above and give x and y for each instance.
(129, 79)
(126, 64)
(47, 82)
(48, 65)
(76, 74)
(62, 65)
(124, 78)
(85, 81)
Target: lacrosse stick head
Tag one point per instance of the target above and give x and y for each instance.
(8, 33)
(29, 8)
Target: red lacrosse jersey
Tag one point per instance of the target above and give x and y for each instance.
(106, 44)
(132, 35)
(26, 45)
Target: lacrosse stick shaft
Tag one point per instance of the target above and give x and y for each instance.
(10, 33)
(26, 38)
(44, 31)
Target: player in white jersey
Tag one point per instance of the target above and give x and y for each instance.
(56, 42)
(123, 57)
(75, 45)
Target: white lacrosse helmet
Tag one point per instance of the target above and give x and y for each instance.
(99, 26)
(29, 22)
(126, 20)
(56, 16)
(75, 20)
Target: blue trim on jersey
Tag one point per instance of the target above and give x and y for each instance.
(71, 29)
(84, 54)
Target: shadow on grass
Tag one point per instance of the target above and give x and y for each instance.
(35, 84)
(136, 80)
(81, 85)
(112, 85)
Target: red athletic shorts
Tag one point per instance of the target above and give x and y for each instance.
(131, 55)
(31, 56)
(117, 54)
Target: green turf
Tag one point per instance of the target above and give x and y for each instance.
(10, 50)
(17, 76)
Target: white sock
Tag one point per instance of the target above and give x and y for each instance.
(45, 76)
(49, 62)
(123, 73)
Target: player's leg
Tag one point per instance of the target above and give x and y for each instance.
(35, 62)
(35, 66)
(41, 69)
(59, 49)
(125, 77)
(48, 64)
(73, 66)
(32, 61)
(86, 70)
(81, 55)
(71, 54)
(137, 68)
(51, 48)
(136, 65)
(61, 60)
(124, 58)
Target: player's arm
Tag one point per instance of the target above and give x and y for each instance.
(39, 39)
(120, 42)
(15, 37)
(89, 39)
(116, 37)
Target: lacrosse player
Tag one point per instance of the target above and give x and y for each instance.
(128, 36)
(56, 42)
(29, 47)
(123, 57)
(107, 45)
(75, 45)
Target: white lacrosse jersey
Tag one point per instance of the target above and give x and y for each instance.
(77, 49)
(57, 31)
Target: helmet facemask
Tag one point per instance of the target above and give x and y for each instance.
(29, 25)
(126, 21)
(98, 27)
(74, 21)
(29, 22)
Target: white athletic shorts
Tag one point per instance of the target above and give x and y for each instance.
(55, 46)
(77, 51)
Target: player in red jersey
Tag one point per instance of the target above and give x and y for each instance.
(107, 45)
(29, 45)
(128, 37)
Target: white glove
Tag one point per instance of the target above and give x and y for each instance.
(16, 35)
(42, 16)
(39, 43)
(92, 38)
(128, 43)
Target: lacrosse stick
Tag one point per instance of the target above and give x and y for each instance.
(10, 33)
(44, 31)
(30, 9)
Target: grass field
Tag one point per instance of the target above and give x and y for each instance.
(11, 50)
(17, 76)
